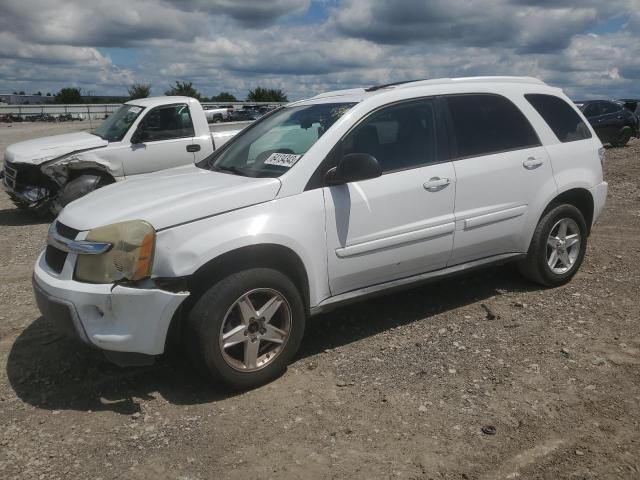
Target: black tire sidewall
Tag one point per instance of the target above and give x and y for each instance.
(208, 313)
(547, 223)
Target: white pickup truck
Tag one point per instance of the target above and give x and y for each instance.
(217, 114)
(142, 136)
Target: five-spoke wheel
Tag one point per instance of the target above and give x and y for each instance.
(250, 337)
(247, 327)
(557, 247)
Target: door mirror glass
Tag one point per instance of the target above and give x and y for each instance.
(354, 167)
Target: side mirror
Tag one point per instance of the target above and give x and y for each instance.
(354, 167)
(139, 136)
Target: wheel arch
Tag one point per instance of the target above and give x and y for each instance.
(267, 255)
(580, 198)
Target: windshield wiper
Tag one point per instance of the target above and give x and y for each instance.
(230, 169)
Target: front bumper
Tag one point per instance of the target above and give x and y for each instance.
(30, 195)
(599, 194)
(107, 316)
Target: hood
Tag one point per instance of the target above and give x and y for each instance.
(40, 150)
(168, 197)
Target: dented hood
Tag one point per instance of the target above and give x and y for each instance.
(168, 198)
(40, 150)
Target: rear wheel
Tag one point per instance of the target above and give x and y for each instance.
(623, 137)
(246, 328)
(557, 247)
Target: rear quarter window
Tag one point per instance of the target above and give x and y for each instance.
(560, 116)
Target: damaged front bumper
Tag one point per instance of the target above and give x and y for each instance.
(111, 317)
(18, 182)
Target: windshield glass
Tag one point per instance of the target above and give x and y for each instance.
(116, 125)
(274, 144)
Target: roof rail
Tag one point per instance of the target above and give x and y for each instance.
(387, 85)
(487, 79)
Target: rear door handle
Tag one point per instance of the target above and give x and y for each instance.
(194, 147)
(532, 163)
(435, 184)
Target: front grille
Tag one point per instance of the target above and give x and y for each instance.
(10, 174)
(54, 257)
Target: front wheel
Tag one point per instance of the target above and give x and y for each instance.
(557, 247)
(246, 328)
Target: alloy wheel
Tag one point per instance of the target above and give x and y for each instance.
(255, 329)
(563, 246)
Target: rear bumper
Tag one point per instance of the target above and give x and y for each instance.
(599, 194)
(110, 317)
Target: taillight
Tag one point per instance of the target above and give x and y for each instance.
(601, 153)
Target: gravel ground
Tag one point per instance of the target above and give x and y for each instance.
(423, 384)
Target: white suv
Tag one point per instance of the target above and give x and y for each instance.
(325, 201)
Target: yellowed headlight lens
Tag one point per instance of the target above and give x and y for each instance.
(131, 256)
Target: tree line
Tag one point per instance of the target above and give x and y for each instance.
(186, 89)
(73, 95)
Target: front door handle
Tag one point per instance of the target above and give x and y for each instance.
(435, 184)
(194, 147)
(532, 163)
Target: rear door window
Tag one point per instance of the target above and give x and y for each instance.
(560, 116)
(592, 110)
(610, 107)
(482, 124)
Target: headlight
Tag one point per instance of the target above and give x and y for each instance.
(130, 257)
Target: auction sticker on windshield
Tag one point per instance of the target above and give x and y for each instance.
(135, 110)
(287, 160)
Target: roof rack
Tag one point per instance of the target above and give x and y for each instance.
(394, 84)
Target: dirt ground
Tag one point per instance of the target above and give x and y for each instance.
(416, 385)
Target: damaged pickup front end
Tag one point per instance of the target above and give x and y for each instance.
(46, 185)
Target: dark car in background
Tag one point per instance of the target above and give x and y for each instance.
(244, 114)
(612, 121)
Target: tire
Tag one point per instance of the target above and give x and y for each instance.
(536, 265)
(218, 313)
(76, 188)
(623, 137)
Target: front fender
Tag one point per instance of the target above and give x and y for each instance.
(296, 222)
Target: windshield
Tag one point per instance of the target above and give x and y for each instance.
(273, 145)
(116, 125)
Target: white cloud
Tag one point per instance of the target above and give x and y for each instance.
(234, 45)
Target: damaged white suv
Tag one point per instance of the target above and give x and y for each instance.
(325, 201)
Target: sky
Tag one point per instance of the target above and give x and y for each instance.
(305, 47)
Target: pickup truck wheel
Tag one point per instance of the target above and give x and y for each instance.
(76, 188)
(557, 247)
(246, 328)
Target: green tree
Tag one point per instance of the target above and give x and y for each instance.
(139, 90)
(224, 97)
(185, 89)
(69, 95)
(260, 94)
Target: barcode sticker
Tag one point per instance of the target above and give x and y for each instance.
(287, 160)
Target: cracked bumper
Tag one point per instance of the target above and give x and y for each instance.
(112, 318)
